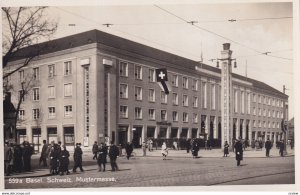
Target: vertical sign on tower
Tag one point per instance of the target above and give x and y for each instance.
(226, 94)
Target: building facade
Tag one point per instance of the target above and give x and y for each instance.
(94, 86)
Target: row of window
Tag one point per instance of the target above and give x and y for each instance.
(265, 124)
(51, 92)
(152, 114)
(271, 113)
(138, 91)
(268, 100)
(51, 113)
(51, 71)
(138, 73)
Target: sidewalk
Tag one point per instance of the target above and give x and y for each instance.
(90, 164)
(215, 153)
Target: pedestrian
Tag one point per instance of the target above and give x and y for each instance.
(268, 146)
(113, 154)
(78, 158)
(253, 144)
(256, 145)
(175, 145)
(129, 149)
(292, 144)
(54, 158)
(238, 151)
(188, 146)
(59, 147)
(164, 150)
(11, 162)
(102, 153)
(226, 149)
(195, 149)
(120, 149)
(64, 161)
(260, 144)
(18, 161)
(144, 147)
(205, 145)
(281, 148)
(8, 156)
(95, 150)
(209, 144)
(150, 145)
(44, 154)
(233, 144)
(27, 152)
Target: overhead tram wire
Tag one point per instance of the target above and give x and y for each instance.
(110, 26)
(211, 32)
(261, 53)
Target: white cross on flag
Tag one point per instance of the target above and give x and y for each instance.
(162, 78)
(161, 75)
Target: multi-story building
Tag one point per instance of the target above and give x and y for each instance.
(93, 85)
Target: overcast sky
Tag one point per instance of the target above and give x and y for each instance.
(162, 26)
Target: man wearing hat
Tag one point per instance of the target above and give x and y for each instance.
(238, 151)
(78, 158)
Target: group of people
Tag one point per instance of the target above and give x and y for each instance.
(102, 151)
(17, 157)
(58, 156)
(239, 148)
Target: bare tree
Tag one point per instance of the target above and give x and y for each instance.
(24, 27)
(23, 89)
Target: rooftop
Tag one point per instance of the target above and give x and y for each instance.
(96, 36)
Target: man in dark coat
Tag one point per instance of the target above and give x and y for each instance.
(268, 146)
(113, 154)
(27, 152)
(281, 147)
(195, 149)
(44, 154)
(54, 158)
(102, 157)
(95, 150)
(18, 161)
(8, 156)
(238, 151)
(188, 146)
(129, 149)
(226, 149)
(64, 161)
(78, 158)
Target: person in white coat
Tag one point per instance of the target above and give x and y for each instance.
(164, 150)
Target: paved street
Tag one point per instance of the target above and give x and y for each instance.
(178, 170)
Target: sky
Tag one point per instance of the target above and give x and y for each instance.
(164, 26)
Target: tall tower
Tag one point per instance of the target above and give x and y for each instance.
(226, 94)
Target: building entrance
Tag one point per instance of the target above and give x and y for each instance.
(150, 132)
(36, 139)
(241, 128)
(137, 137)
(174, 132)
(184, 133)
(123, 135)
(219, 131)
(234, 132)
(211, 130)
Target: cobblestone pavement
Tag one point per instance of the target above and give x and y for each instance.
(178, 170)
